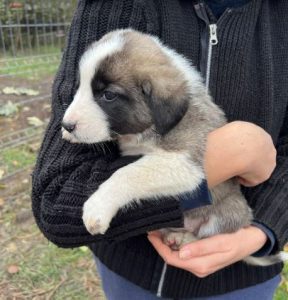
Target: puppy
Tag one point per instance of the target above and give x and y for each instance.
(150, 99)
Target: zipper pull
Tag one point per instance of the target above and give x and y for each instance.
(213, 34)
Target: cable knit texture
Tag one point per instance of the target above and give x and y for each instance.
(249, 80)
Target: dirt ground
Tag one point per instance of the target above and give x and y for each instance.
(30, 266)
(39, 108)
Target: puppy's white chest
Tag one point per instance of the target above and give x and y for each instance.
(132, 145)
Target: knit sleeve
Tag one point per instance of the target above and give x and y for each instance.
(66, 174)
(269, 200)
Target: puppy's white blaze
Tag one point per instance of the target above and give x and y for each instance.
(81, 111)
(91, 122)
(96, 53)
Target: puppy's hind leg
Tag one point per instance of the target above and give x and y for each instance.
(177, 238)
(228, 213)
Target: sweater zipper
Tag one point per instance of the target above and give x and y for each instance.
(207, 42)
(161, 281)
(213, 40)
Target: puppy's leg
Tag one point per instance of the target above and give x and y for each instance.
(161, 174)
(175, 238)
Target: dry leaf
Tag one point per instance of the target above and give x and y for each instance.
(84, 248)
(26, 108)
(34, 121)
(47, 107)
(8, 109)
(10, 90)
(29, 92)
(2, 172)
(15, 163)
(1, 202)
(11, 247)
(12, 269)
(34, 147)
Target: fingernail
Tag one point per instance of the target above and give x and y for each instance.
(184, 254)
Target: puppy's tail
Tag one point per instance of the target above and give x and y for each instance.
(267, 260)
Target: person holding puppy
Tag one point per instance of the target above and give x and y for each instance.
(239, 47)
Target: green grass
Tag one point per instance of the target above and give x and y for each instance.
(44, 270)
(17, 158)
(49, 49)
(282, 291)
(31, 65)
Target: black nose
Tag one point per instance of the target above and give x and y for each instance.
(69, 126)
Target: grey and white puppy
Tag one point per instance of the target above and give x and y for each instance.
(148, 97)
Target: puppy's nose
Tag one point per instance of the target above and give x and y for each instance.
(69, 126)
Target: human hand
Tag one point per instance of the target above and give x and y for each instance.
(239, 149)
(209, 255)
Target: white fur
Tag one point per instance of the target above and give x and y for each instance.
(91, 122)
(154, 175)
(96, 53)
(85, 112)
(157, 174)
(267, 260)
(81, 111)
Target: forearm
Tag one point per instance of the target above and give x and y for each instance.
(239, 149)
(222, 160)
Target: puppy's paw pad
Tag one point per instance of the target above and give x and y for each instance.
(95, 221)
(95, 226)
(174, 239)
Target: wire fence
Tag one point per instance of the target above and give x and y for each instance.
(32, 37)
(28, 26)
(32, 34)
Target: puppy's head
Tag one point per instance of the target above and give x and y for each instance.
(128, 83)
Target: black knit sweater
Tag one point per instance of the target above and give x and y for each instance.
(249, 80)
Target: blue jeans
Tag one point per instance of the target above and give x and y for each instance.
(118, 288)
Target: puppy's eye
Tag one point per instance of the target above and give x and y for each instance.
(109, 96)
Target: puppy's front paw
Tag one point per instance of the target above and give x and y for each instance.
(95, 216)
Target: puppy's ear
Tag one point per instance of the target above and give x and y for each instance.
(167, 108)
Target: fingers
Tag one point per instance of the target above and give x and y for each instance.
(204, 247)
(169, 256)
(218, 243)
(201, 266)
(211, 254)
